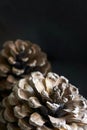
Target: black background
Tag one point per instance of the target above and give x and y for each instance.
(59, 27)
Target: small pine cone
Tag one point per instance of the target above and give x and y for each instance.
(18, 59)
(44, 103)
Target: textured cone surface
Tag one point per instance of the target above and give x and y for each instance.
(18, 59)
(44, 103)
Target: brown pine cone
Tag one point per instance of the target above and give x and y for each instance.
(18, 59)
(39, 103)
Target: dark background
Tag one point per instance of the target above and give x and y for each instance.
(59, 27)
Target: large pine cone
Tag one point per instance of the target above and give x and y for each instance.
(18, 59)
(39, 103)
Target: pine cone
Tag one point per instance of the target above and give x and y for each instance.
(39, 103)
(18, 59)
